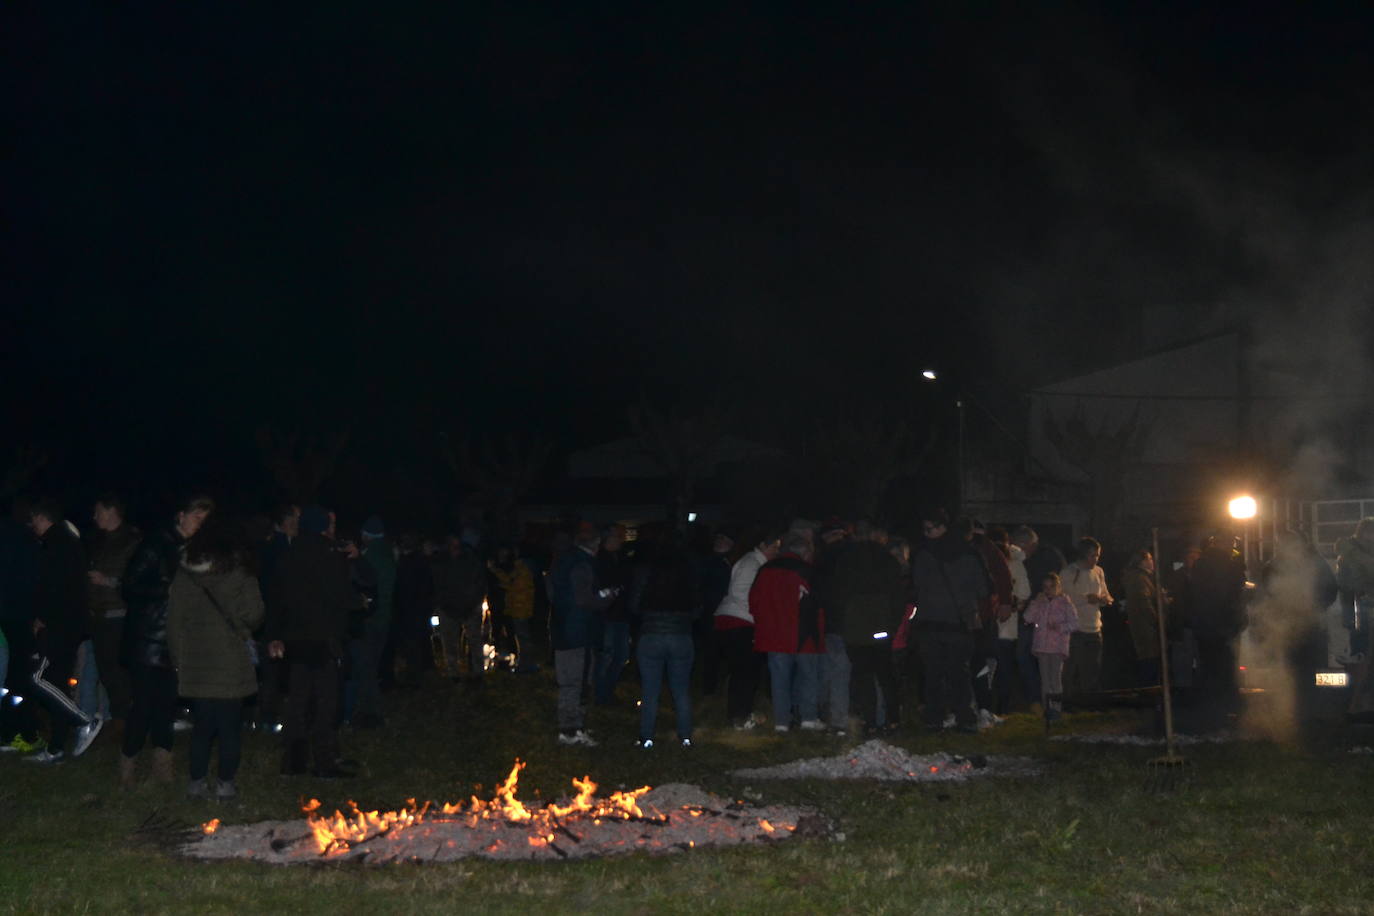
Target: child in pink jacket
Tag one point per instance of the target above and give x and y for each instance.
(1055, 619)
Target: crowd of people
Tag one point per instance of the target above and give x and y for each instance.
(845, 626)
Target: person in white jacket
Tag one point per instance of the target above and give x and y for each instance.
(734, 628)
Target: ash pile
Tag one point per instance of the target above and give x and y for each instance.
(877, 759)
(668, 819)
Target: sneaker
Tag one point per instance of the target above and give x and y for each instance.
(838, 732)
(645, 744)
(85, 735)
(686, 742)
(46, 758)
(748, 724)
(813, 725)
(226, 790)
(949, 720)
(198, 788)
(24, 747)
(580, 737)
(782, 729)
(182, 724)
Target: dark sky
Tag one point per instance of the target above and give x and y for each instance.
(470, 217)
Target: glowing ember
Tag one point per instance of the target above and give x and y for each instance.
(667, 819)
(210, 826)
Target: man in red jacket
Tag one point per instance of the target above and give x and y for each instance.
(789, 626)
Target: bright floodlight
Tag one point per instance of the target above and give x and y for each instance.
(929, 374)
(1243, 507)
(691, 516)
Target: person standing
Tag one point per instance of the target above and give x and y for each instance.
(951, 586)
(19, 555)
(789, 626)
(411, 628)
(368, 646)
(714, 578)
(612, 571)
(213, 607)
(1055, 621)
(1142, 615)
(1355, 579)
(734, 628)
(460, 584)
(60, 620)
(666, 606)
(111, 549)
(1041, 559)
(1085, 585)
(866, 589)
(308, 613)
(515, 579)
(147, 582)
(286, 527)
(1218, 617)
(575, 629)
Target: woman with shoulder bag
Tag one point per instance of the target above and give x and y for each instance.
(214, 606)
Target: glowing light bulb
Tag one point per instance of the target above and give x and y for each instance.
(1243, 507)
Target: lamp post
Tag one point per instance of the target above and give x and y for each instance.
(930, 375)
(1244, 508)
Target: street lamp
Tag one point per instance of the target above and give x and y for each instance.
(930, 375)
(1244, 508)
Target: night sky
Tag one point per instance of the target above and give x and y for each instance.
(472, 218)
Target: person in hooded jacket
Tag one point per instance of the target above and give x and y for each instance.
(213, 607)
(146, 584)
(952, 585)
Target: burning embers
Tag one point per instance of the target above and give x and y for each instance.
(669, 818)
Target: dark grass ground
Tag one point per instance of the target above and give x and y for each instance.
(1282, 828)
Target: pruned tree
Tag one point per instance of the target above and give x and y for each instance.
(683, 446)
(501, 475)
(1103, 450)
(864, 456)
(300, 464)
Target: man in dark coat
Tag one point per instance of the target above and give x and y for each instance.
(575, 630)
(112, 547)
(1218, 617)
(866, 592)
(308, 610)
(59, 624)
(951, 584)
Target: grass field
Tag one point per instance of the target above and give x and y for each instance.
(1259, 828)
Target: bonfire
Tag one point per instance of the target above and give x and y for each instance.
(669, 818)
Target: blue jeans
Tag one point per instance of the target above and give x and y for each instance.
(671, 653)
(796, 681)
(837, 672)
(610, 661)
(91, 697)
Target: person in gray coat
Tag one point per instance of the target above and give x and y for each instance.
(213, 607)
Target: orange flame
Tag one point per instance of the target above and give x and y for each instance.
(210, 826)
(341, 831)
